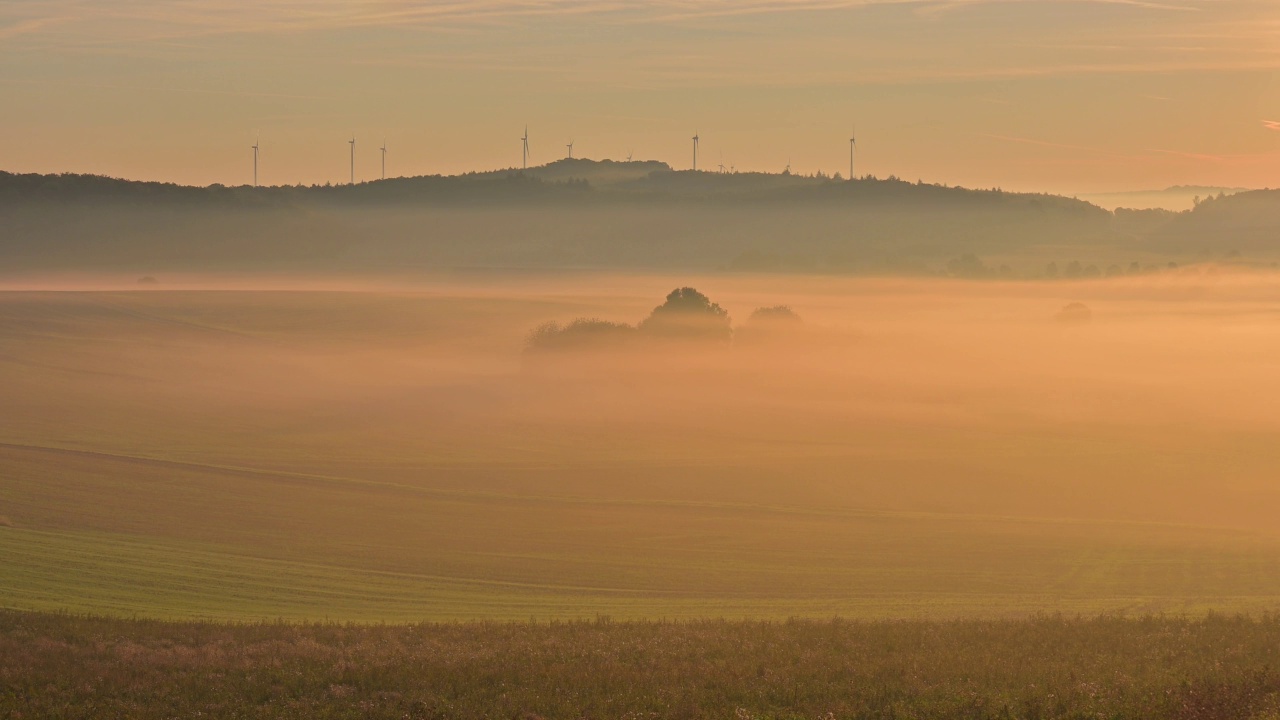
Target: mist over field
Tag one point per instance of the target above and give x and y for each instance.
(921, 446)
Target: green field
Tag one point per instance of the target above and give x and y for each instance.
(388, 456)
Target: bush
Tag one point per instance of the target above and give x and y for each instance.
(769, 323)
(968, 266)
(581, 334)
(778, 315)
(1074, 313)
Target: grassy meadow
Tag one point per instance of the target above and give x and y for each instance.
(1211, 668)
(355, 451)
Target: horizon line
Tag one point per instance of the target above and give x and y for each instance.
(515, 170)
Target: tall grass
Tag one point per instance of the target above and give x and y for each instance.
(1210, 668)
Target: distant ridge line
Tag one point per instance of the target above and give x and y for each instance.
(577, 178)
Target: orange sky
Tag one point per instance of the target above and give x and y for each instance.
(1058, 95)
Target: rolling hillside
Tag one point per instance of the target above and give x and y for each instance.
(570, 214)
(359, 455)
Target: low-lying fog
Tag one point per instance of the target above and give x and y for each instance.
(1150, 399)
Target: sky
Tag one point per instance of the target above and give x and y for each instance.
(1068, 96)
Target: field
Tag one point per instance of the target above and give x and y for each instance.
(350, 451)
(1213, 668)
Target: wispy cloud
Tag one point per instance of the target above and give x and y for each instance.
(1051, 144)
(235, 16)
(1262, 158)
(174, 89)
(941, 7)
(1206, 157)
(1271, 124)
(1087, 155)
(29, 26)
(497, 36)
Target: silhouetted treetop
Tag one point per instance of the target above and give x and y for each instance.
(686, 300)
(688, 313)
(769, 323)
(775, 315)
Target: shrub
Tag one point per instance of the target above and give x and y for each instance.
(968, 266)
(580, 334)
(781, 315)
(1074, 313)
(769, 323)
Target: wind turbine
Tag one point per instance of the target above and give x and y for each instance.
(852, 143)
(570, 146)
(629, 154)
(695, 151)
(384, 159)
(524, 162)
(255, 162)
(353, 159)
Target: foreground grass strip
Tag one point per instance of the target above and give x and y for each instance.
(1211, 668)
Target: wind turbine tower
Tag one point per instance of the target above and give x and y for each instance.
(384, 159)
(853, 142)
(255, 162)
(695, 151)
(353, 159)
(524, 162)
(570, 146)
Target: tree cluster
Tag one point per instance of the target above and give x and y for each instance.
(686, 315)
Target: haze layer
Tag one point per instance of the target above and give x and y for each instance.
(914, 447)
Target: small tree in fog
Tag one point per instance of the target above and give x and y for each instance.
(968, 266)
(1074, 313)
(777, 314)
(769, 323)
(688, 314)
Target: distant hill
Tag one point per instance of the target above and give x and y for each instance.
(576, 180)
(1176, 198)
(596, 172)
(575, 214)
(1243, 224)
